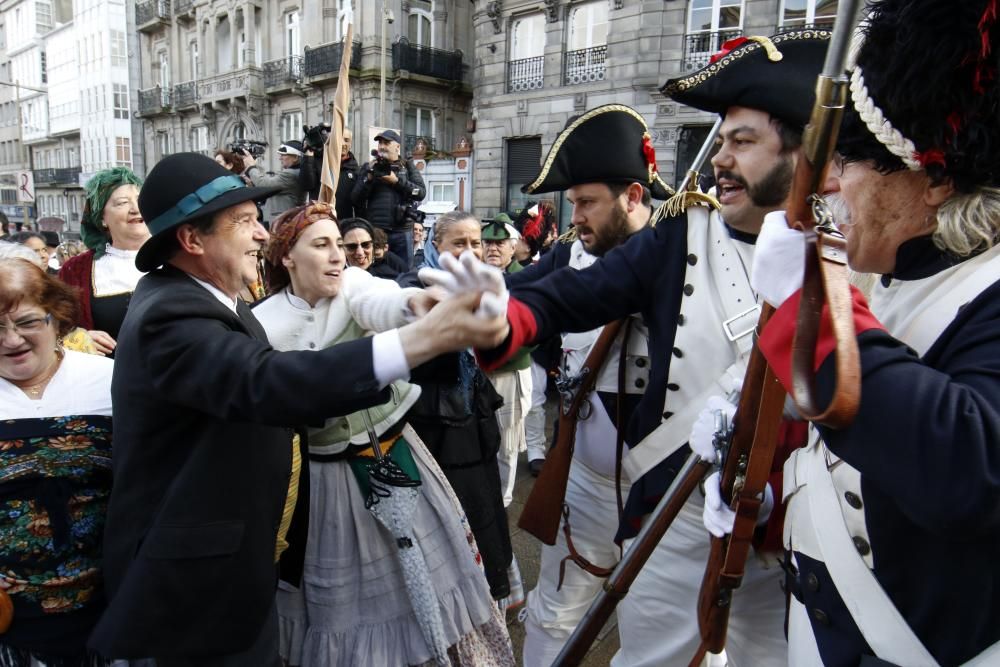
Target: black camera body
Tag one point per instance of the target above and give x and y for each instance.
(382, 165)
(409, 213)
(314, 138)
(255, 148)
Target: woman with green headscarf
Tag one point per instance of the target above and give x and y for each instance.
(105, 275)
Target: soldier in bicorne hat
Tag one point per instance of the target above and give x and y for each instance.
(892, 522)
(687, 277)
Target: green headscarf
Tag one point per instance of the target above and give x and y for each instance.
(99, 188)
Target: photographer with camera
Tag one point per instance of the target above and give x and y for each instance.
(312, 162)
(291, 193)
(387, 192)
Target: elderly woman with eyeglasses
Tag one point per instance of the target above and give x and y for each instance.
(353, 606)
(55, 473)
(113, 230)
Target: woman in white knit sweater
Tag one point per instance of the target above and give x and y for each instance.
(352, 607)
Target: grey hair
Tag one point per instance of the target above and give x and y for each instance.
(968, 223)
(447, 220)
(18, 251)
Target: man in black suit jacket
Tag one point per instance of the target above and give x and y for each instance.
(203, 410)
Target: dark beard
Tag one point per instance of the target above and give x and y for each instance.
(613, 234)
(772, 190)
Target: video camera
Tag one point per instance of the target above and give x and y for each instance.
(382, 166)
(255, 148)
(314, 138)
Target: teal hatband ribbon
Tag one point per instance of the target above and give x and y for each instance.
(194, 201)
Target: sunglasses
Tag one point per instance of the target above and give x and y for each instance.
(353, 247)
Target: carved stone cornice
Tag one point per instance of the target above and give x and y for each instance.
(494, 10)
(552, 10)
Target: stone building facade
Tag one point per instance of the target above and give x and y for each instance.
(539, 63)
(212, 71)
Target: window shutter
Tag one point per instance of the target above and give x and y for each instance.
(524, 159)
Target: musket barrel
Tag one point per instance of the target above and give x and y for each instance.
(617, 585)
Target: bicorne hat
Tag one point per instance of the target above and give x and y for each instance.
(609, 144)
(776, 75)
(182, 188)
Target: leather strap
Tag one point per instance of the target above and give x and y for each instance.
(591, 366)
(883, 627)
(576, 557)
(825, 281)
(620, 419)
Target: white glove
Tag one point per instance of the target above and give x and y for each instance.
(469, 274)
(702, 438)
(778, 260)
(717, 516)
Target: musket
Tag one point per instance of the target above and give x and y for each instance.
(699, 159)
(748, 462)
(617, 585)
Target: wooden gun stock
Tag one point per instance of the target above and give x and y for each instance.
(751, 454)
(543, 510)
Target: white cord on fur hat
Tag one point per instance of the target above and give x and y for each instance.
(872, 116)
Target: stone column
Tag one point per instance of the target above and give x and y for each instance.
(249, 26)
(211, 57)
(234, 38)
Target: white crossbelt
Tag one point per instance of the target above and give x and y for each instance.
(881, 624)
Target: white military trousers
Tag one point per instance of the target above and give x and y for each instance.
(658, 619)
(553, 615)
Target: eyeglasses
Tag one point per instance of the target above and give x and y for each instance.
(27, 326)
(353, 247)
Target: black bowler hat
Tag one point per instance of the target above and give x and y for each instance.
(776, 75)
(181, 188)
(609, 144)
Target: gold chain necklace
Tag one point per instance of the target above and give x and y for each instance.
(35, 390)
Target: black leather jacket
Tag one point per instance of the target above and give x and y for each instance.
(380, 203)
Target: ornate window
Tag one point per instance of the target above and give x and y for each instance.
(418, 122)
(344, 12)
(420, 29)
(802, 13)
(587, 43)
(710, 24)
(291, 126)
(293, 37)
(527, 53)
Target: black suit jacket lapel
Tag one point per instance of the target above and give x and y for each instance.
(249, 321)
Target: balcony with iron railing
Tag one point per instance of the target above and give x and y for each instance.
(427, 61)
(699, 47)
(585, 65)
(185, 95)
(323, 62)
(525, 74)
(237, 83)
(184, 8)
(819, 24)
(58, 176)
(283, 72)
(151, 14)
(154, 101)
